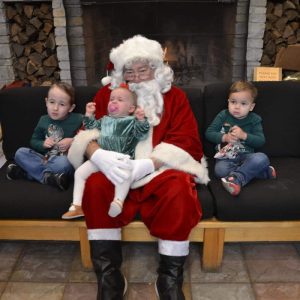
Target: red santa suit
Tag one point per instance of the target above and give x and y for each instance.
(167, 199)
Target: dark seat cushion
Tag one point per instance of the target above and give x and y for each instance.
(263, 200)
(196, 101)
(22, 199)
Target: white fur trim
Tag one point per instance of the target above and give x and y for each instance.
(136, 47)
(144, 148)
(173, 248)
(176, 158)
(78, 147)
(112, 234)
(106, 80)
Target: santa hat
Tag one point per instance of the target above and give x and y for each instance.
(137, 47)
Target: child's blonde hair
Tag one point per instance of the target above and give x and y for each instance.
(132, 94)
(67, 88)
(243, 85)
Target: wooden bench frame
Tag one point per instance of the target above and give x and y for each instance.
(212, 233)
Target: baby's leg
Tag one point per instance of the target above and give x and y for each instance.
(80, 177)
(121, 191)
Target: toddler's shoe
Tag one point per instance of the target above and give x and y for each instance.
(13, 172)
(58, 180)
(230, 184)
(116, 208)
(73, 213)
(272, 172)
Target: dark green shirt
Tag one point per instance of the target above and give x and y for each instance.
(119, 134)
(251, 125)
(67, 128)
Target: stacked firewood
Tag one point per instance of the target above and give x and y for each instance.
(282, 28)
(33, 42)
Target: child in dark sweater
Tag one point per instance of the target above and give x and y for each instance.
(46, 161)
(238, 132)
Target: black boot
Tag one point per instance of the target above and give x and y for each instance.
(13, 172)
(170, 277)
(107, 260)
(58, 180)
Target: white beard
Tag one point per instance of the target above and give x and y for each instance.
(150, 99)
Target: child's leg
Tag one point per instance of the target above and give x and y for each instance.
(31, 162)
(80, 176)
(121, 191)
(254, 165)
(223, 167)
(59, 164)
(140, 168)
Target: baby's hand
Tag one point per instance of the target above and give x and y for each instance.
(139, 114)
(49, 142)
(90, 109)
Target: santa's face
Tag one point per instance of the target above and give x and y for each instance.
(120, 103)
(138, 72)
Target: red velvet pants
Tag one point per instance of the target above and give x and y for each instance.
(168, 205)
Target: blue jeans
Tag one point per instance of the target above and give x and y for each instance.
(35, 165)
(245, 167)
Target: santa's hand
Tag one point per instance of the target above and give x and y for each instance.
(141, 168)
(112, 164)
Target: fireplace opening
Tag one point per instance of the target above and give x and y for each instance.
(197, 36)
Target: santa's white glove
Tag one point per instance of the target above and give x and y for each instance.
(112, 164)
(141, 168)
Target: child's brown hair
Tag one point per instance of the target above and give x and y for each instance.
(67, 88)
(243, 85)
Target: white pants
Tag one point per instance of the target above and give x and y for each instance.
(82, 174)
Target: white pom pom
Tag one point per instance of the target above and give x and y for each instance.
(106, 80)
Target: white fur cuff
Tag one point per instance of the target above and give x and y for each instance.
(178, 159)
(78, 147)
(173, 248)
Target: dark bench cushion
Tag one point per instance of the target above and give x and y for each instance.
(196, 101)
(21, 199)
(278, 104)
(263, 200)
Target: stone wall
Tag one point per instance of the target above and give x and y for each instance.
(256, 29)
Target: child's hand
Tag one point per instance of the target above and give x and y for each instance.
(239, 133)
(64, 144)
(139, 114)
(90, 109)
(49, 142)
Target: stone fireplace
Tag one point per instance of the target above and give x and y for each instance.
(204, 41)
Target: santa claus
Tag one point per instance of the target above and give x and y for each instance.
(168, 164)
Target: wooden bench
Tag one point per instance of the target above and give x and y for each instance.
(212, 233)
